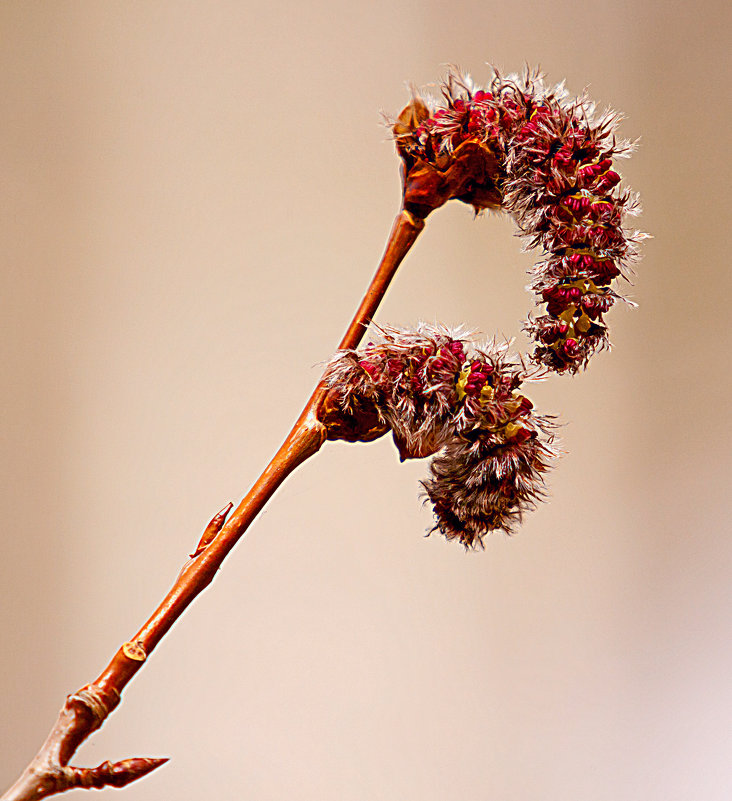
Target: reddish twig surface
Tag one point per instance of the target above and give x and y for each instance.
(86, 710)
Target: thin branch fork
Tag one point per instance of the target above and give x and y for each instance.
(86, 710)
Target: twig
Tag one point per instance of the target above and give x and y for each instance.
(86, 710)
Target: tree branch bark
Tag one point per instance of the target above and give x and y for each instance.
(86, 710)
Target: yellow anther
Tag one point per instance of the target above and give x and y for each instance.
(462, 381)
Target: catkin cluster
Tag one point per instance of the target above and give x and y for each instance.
(548, 160)
(439, 394)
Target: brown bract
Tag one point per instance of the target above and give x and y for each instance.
(470, 172)
(354, 420)
(351, 417)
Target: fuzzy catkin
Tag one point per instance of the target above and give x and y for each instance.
(547, 160)
(481, 482)
(439, 394)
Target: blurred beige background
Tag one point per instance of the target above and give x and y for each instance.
(195, 196)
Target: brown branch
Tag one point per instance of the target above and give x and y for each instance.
(86, 710)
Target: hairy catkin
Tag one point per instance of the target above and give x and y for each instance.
(439, 394)
(481, 482)
(548, 160)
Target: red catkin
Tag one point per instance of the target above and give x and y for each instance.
(439, 394)
(548, 160)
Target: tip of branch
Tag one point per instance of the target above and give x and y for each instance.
(119, 774)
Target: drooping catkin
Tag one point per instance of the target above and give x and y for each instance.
(440, 394)
(548, 160)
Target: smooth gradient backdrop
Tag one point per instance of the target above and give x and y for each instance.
(195, 196)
